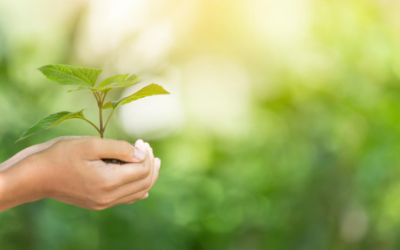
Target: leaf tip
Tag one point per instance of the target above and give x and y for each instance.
(22, 137)
(163, 91)
(44, 67)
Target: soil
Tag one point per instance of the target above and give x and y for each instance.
(113, 161)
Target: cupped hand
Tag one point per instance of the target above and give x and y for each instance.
(71, 171)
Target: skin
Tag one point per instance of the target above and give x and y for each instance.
(70, 170)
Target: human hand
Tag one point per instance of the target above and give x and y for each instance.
(31, 150)
(71, 171)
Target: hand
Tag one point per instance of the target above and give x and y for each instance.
(71, 171)
(31, 150)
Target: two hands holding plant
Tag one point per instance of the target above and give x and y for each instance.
(72, 169)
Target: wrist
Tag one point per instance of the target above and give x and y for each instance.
(19, 184)
(19, 156)
(2, 190)
(32, 176)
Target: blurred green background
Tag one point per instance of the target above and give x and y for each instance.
(282, 130)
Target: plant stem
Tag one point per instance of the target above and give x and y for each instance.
(102, 99)
(91, 123)
(101, 120)
(112, 112)
(100, 105)
(97, 97)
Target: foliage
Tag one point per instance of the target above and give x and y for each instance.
(86, 78)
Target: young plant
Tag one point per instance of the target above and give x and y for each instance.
(85, 79)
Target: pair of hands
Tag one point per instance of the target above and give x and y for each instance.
(70, 169)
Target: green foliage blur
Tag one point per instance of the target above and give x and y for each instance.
(302, 153)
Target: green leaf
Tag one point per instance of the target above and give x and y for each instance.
(113, 80)
(119, 82)
(152, 89)
(71, 75)
(51, 121)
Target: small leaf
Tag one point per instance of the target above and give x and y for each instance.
(51, 121)
(152, 89)
(109, 105)
(113, 79)
(71, 75)
(132, 80)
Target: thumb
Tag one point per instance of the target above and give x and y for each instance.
(120, 150)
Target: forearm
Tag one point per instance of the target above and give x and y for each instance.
(18, 184)
(19, 156)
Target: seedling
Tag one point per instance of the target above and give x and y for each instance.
(85, 79)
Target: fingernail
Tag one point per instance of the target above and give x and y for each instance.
(139, 142)
(159, 163)
(145, 196)
(139, 154)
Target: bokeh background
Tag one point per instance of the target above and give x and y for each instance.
(282, 130)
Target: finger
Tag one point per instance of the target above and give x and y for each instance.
(128, 199)
(128, 179)
(113, 149)
(132, 198)
(137, 190)
(157, 165)
(150, 150)
(145, 196)
(149, 156)
(119, 175)
(152, 162)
